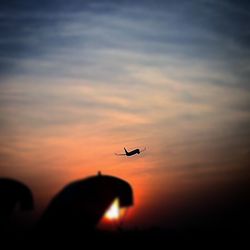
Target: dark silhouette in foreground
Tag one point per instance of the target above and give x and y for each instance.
(72, 217)
(81, 204)
(13, 193)
(131, 153)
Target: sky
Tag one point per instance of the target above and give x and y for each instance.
(81, 80)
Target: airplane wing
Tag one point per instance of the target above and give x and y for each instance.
(119, 154)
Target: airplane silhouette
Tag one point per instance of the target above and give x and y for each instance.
(133, 152)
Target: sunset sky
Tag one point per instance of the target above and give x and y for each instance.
(80, 80)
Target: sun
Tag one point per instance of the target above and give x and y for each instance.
(113, 217)
(113, 212)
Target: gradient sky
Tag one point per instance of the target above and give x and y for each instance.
(79, 80)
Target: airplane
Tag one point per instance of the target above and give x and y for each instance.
(133, 152)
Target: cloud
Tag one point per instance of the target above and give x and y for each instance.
(80, 42)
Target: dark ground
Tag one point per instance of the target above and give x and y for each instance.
(201, 237)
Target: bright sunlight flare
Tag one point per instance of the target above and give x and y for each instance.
(113, 213)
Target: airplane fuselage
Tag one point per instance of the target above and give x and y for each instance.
(133, 152)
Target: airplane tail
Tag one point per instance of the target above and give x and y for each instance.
(125, 150)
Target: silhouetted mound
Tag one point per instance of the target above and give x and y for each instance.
(13, 192)
(81, 204)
